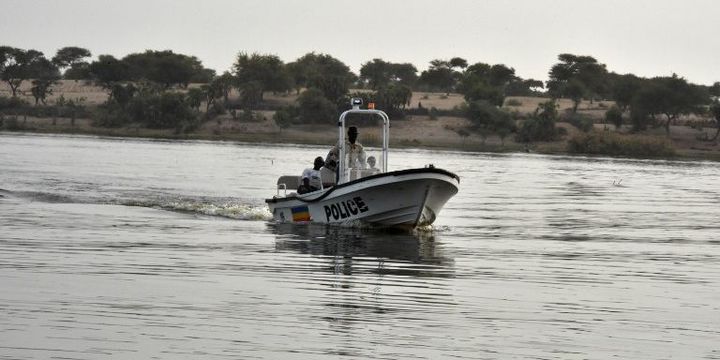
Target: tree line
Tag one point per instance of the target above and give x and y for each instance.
(143, 88)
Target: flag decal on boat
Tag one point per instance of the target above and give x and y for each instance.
(300, 213)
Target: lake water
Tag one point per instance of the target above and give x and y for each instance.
(135, 249)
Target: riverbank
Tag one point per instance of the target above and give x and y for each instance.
(415, 132)
(687, 137)
(412, 133)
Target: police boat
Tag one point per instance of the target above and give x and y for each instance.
(356, 196)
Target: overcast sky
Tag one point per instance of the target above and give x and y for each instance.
(647, 38)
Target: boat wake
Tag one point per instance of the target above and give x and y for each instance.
(227, 208)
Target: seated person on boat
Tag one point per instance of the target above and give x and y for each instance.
(311, 178)
(371, 169)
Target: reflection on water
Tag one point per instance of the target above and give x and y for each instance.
(370, 279)
(416, 247)
(133, 249)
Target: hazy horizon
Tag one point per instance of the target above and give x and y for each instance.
(647, 38)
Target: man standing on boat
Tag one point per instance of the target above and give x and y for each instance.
(353, 149)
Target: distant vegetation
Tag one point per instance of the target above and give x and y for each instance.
(614, 144)
(152, 89)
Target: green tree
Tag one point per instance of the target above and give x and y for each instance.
(575, 90)
(520, 87)
(218, 88)
(161, 110)
(481, 81)
(501, 75)
(251, 94)
(124, 93)
(71, 60)
(505, 128)
(669, 96)
(79, 71)
(210, 94)
(379, 73)
(45, 74)
(74, 107)
(487, 118)
(107, 71)
(298, 74)
(393, 98)
(440, 76)
(223, 84)
(195, 97)
(376, 73)
(286, 116)
(483, 91)
(614, 116)
(404, 74)
(714, 90)
(202, 75)
(17, 65)
(315, 108)
(715, 112)
(584, 69)
(458, 62)
(624, 88)
(323, 72)
(69, 56)
(166, 68)
(267, 72)
(541, 126)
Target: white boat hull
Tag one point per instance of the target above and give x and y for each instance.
(405, 199)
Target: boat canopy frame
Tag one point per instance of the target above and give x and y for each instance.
(343, 169)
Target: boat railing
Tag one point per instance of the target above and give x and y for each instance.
(345, 173)
(287, 182)
(284, 187)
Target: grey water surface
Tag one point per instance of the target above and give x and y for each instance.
(138, 249)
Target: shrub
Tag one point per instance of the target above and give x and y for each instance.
(250, 116)
(286, 116)
(484, 114)
(513, 102)
(541, 126)
(12, 124)
(583, 123)
(12, 103)
(315, 108)
(216, 109)
(41, 111)
(433, 113)
(517, 115)
(614, 144)
(174, 112)
(417, 111)
(165, 110)
(614, 116)
(455, 111)
(485, 92)
(110, 115)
